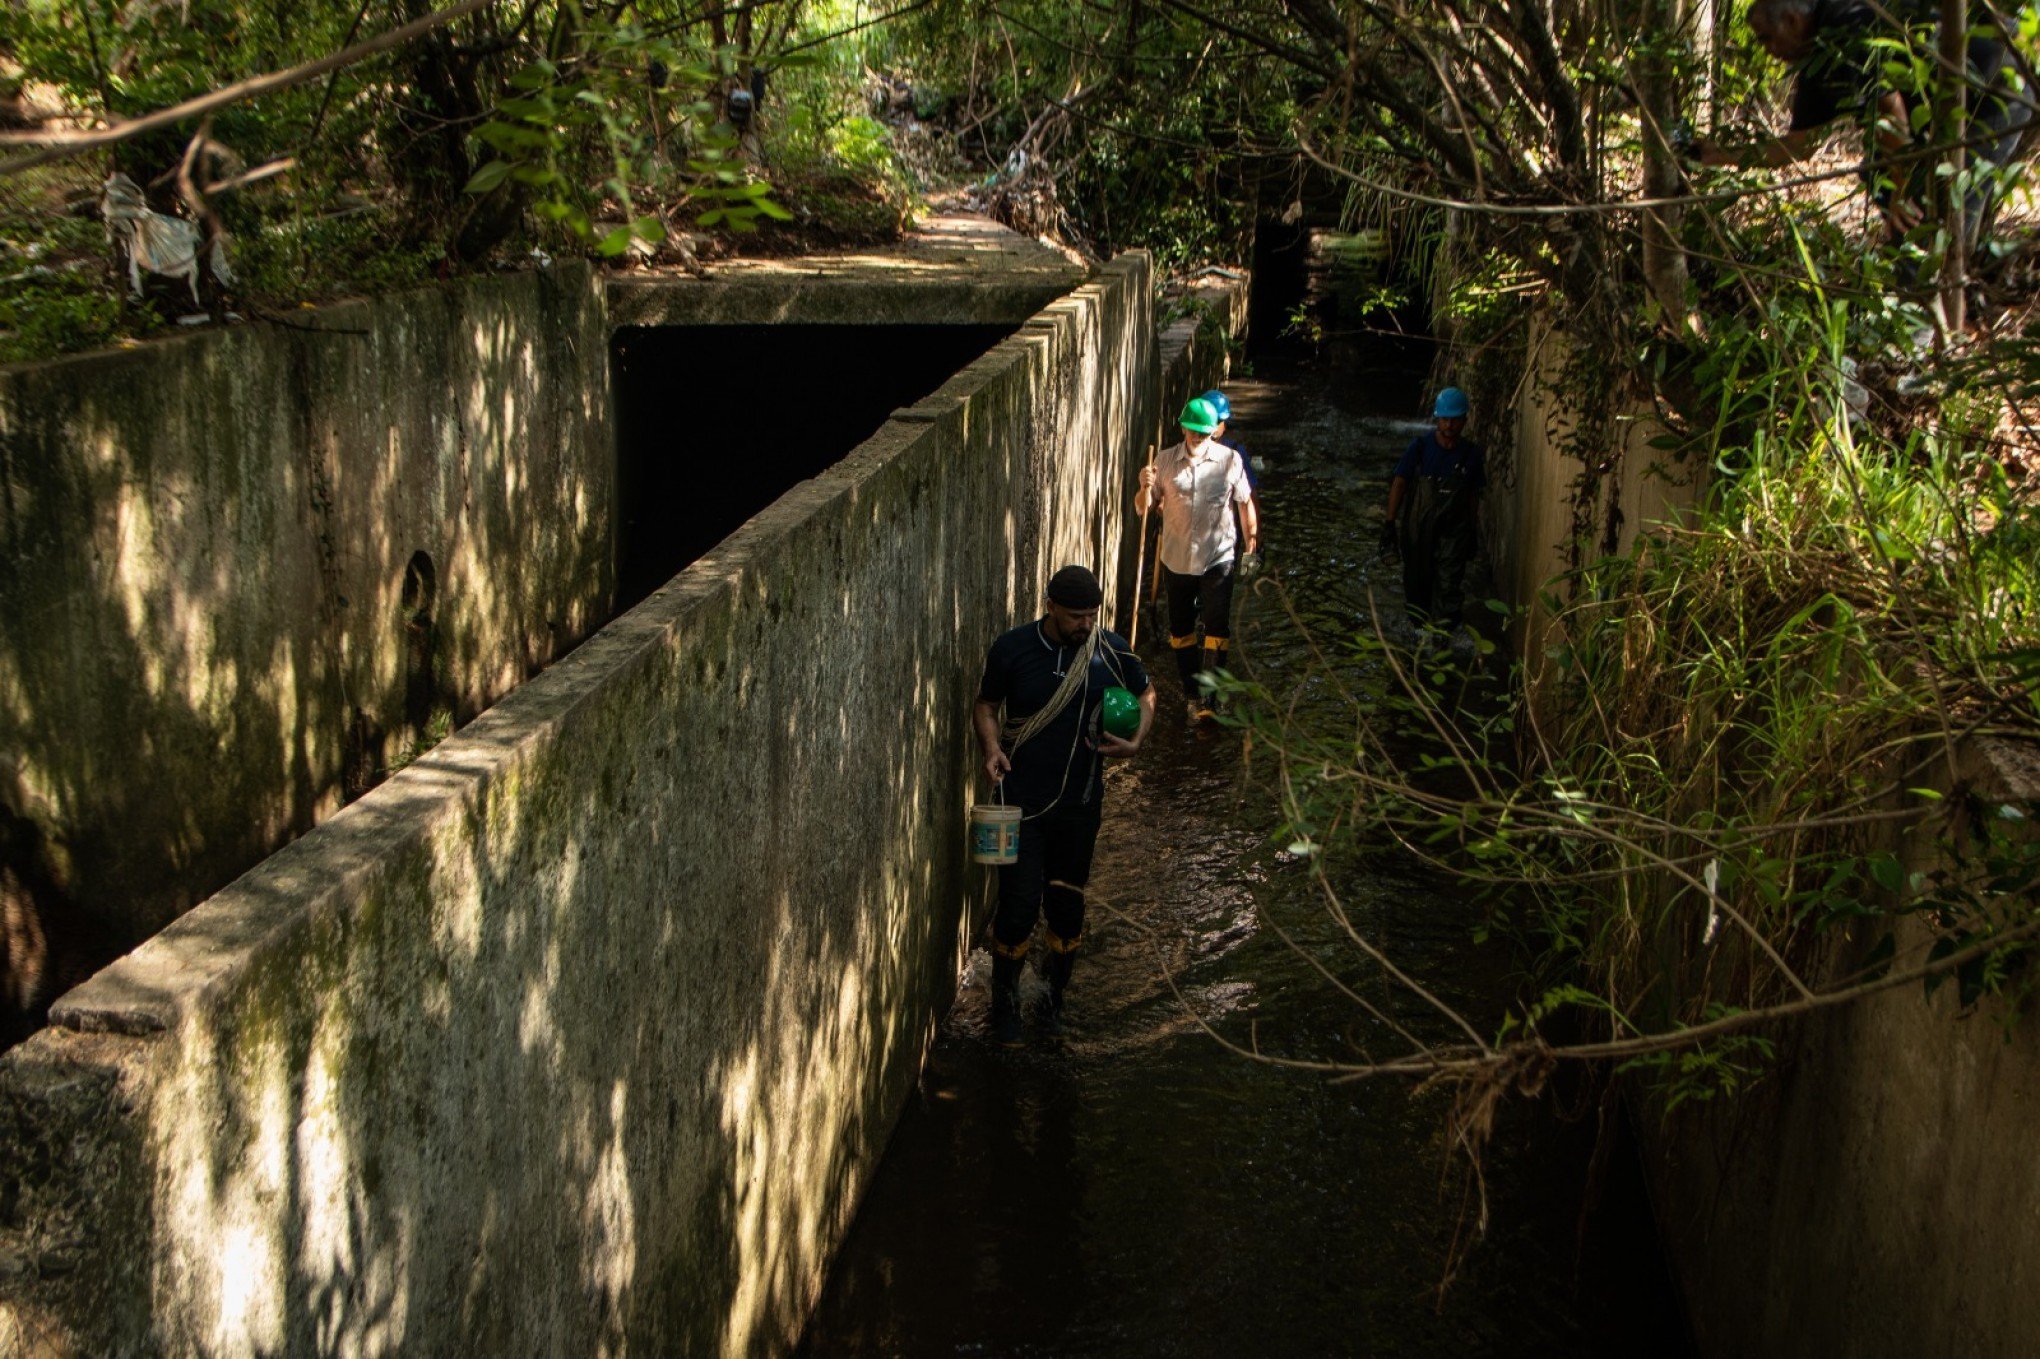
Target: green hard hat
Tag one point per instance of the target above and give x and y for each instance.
(1119, 713)
(1198, 416)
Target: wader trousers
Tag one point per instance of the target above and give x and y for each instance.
(1437, 544)
(1208, 597)
(1054, 847)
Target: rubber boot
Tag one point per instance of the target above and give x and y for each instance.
(1213, 658)
(1055, 970)
(1006, 1001)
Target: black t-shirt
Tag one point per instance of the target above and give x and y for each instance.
(1060, 763)
(1845, 71)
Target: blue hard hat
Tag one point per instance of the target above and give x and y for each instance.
(1218, 402)
(1450, 405)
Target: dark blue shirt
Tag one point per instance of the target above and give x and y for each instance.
(1465, 459)
(1060, 764)
(1246, 463)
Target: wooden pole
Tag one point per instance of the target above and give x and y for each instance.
(1140, 561)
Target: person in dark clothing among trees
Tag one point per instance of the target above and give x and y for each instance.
(1047, 754)
(1434, 515)
(1839, 52)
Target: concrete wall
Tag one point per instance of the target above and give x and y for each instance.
(1875, 1195)
(581, 1034)
(1561, 500)
(1194, 355)
(203, 547)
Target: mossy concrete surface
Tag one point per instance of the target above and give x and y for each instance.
(1874, 1196)
(245, 573)
(581, 1034)
(207, 641)
(954, 270)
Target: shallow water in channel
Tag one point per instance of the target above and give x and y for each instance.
(1133, 1188)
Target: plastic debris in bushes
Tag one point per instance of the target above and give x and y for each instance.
(156, 241)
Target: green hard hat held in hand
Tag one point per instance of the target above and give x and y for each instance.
(1119, 713)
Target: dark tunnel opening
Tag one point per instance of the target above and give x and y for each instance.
(714, 423)
(1281, 284)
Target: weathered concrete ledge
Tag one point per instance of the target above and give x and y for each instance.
(582, 1033)
(953, 271)
(1876, 1195)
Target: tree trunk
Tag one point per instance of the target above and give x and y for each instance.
(1658, 90)
(1951, 126)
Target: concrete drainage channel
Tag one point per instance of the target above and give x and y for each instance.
(573, 1035)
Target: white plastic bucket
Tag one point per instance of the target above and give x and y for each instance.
(994, 834)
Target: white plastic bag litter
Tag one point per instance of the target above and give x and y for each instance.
(156, 241)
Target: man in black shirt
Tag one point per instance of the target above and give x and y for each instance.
(1838, 51)
(1048, 756)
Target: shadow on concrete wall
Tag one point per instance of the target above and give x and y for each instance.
(583, 1032)
(204, 645)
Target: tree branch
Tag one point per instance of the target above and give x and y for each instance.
(61, 145)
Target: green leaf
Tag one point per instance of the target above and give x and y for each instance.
(774, 211)
(710, 218)
(488, 177)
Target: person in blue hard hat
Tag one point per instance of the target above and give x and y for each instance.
(1434, 512)
(1199, 484)
(1224, 434)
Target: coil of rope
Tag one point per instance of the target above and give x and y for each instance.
(1016, 734)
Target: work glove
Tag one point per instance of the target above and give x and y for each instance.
(1390, 544)
(1250, 565)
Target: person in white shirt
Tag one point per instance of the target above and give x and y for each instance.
(1197, 484)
